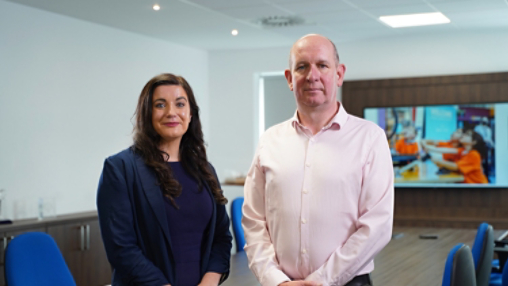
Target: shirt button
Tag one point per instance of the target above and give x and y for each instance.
(304, 220)
(304, 251)
(307, 164)
(305, 191)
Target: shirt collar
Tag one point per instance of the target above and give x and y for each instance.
(339, 119)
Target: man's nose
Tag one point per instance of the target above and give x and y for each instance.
(313, 74)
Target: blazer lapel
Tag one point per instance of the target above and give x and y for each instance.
(153, 195)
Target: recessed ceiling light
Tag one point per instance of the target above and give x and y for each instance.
(234, 32)
(400, 21)
(156, 7)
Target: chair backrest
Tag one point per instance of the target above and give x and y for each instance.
(33, 258)
(504, 278)
(236, 221)
(459, 267)
(483, 253)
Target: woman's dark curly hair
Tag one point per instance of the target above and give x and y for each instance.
(479, 144)
(192, 147)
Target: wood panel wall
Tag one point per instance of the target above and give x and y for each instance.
(437, 207)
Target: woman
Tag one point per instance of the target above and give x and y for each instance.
(161, 208)
(470, 162)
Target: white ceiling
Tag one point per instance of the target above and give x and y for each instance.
(207, 24)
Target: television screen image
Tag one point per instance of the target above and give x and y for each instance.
(446, 145)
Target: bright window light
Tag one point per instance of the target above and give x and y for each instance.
(400, 21)
(156, 7)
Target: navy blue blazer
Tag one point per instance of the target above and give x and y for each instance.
(135, 229)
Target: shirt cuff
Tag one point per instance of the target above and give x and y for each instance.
(274, 278)
(316, 277)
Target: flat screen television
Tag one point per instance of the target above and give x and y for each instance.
(463, 145)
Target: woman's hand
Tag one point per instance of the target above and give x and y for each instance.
(210, 279)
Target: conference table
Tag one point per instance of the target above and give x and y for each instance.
(406, 260)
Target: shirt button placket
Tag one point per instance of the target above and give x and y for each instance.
(307, 186)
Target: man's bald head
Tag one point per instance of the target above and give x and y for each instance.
(310, 37)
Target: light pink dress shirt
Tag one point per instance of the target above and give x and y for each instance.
(318, 207)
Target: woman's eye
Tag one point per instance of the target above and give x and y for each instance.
(159, 105)
(180, 104)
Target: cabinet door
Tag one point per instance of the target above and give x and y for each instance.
(81, 246)
(68, 238)
(98, 269)
(5, 238)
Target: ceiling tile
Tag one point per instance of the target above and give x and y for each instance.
(299, 31)
(358, 27)
(381, 3)
(254, 13)
(338, 17)
(472, 16)
(226, 4)
(469, 5)
(315, 6)
(207, 24)
(400, 10)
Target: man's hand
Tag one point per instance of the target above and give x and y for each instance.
(300, 283)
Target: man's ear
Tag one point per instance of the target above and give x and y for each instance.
(289, 78)
(341, 71)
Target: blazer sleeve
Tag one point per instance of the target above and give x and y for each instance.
(118, 232)
(222, 242)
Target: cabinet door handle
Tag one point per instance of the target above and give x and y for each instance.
(4, 239)
(82, 241)
(87, 227)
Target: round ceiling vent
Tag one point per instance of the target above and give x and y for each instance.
(280, 21)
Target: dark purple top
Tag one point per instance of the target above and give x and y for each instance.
(187, 226)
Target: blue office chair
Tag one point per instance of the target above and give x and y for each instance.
(236, 221)
(33, 258)
(483, 253)
(459, 267)
(505, 275)
(499, 279)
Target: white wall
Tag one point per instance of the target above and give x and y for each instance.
(232, 84)
(68, 91)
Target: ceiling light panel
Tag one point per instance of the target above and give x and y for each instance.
(412, 20)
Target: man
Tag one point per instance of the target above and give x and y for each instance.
(484, 130)
(407, 144)
(319, 195)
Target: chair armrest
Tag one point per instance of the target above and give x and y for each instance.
(502, 254)
(501, 243)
